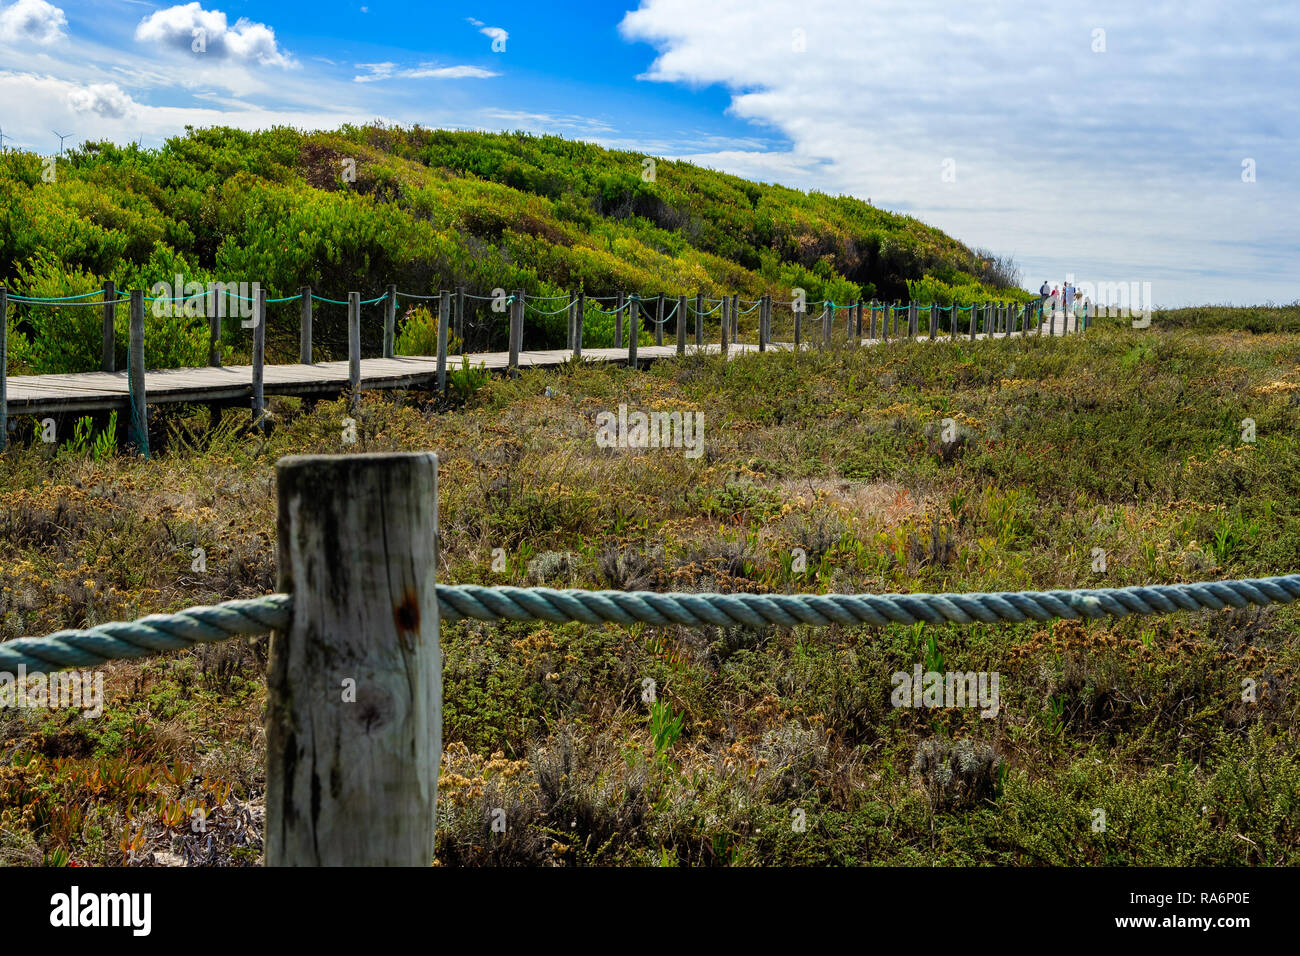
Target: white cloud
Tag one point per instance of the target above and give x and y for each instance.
(32, 21)
(425, 71)
(191, 29)
(105, 99)
(496, 34)
(34, 103)
(1116, 165)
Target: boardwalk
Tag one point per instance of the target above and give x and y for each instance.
(101, 391)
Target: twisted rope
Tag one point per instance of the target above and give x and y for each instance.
(247, 618)
(158, 632)
(759, 610)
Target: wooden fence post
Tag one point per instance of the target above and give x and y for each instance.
(515, 330)
(722, 307)
(444, 321)
(659, 320)
(4, 368)
(633, 328)
(796, 309)
(934, 320)
(828, 319)
(573, 298)
(913, 319)
(681, 325)
(872, 333)
(139, 427)
(304, 327)
(259, 359)
(216, 306)
(390, 320)
(577, 331)
(762, 323)
(618, 322)
(952, 321)
(857, 338)
(1051, 322)
(699, 319)
(973, 309)
(108, 360)
(354, 685)
(354, 344)
(460, 314)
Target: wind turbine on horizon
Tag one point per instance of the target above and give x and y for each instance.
(62, 137)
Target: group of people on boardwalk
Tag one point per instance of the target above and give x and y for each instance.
(1063, 300)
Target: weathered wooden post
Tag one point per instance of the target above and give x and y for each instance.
(4, 368)
(796, 309)
(444, 322)
(722, 311)
(681, 325)
(828, 313)
(215, 309)
(577, 331)
(573, 298)
(354, 684)
(1051, 322)
(618, 322)
(934, 320)
(633, 327)
(763, 304)
(354, 344)
(515, 331)
(259, 359)
(138, 430)
(699, 319)
(913, 319)
(857, 338)
(659, 320)
(304, 326)
(872, 333)
(108, 360)
(390, 320)
(973, 309)
(459, 317)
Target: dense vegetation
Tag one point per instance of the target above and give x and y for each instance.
(1125, 440)
(426, 209)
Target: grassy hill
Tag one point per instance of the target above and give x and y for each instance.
(430, 209)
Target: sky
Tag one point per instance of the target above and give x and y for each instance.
(1106, 142)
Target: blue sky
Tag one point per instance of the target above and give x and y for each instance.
(1111, 141)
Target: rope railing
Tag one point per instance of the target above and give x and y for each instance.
(643, 299)
(250, 617)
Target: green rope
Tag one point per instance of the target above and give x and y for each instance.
(247, 618)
